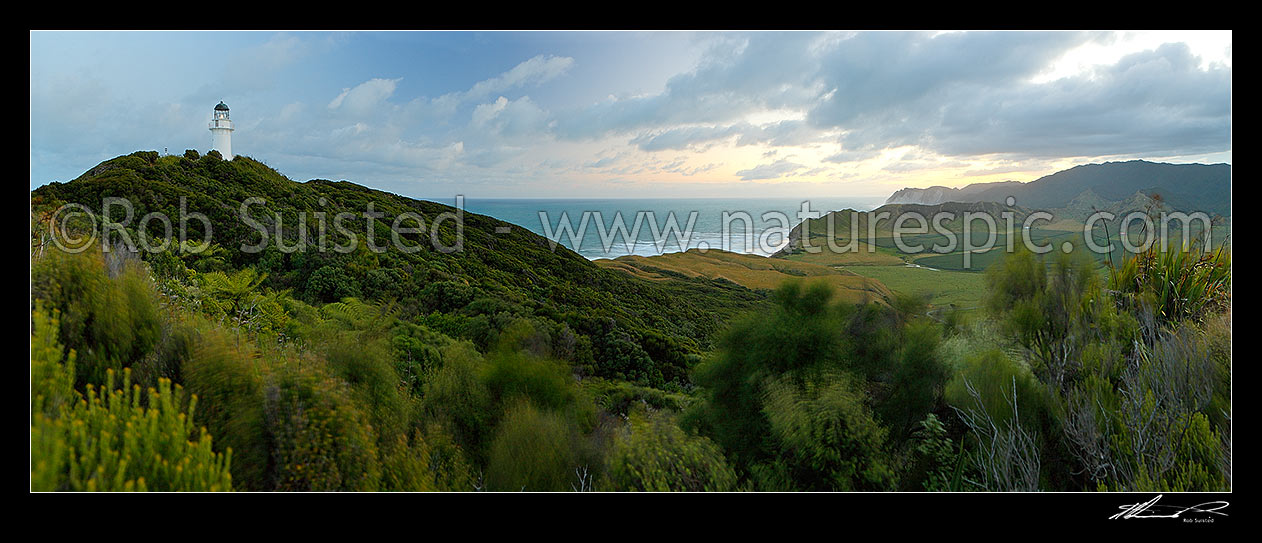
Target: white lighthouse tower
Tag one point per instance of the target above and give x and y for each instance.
(221, 128)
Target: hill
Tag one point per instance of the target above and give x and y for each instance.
(1184, 187)
(751, 271)
(939, 194)
(848, 226)
(502, 270)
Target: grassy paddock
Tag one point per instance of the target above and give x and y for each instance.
(945, 287)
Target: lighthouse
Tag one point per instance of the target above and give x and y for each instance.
(221, 129)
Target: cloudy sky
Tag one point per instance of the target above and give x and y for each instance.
(630, 114)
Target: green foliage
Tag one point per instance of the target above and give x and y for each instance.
(1055, 311)
(321, 440)
(667, 322)
(510, 366)
(417, 353)
(511, 376)
(123, 440)
(532, 450)
(237, 296)
(455, 395)
(992, 374)
(653, 454)
(619, 356)
(829, 439)
(52, 376)
(917, 381)
(446, 296)
(330, 284)
(229, 377)
(446, 464)
(1130, 386)
(233, 292)
(1150, 430)
(621, 398)
(811, 394)
(799, 332)
(366, 366)
(1176, 284)
(486, 405)
(385, 283)
(1217, 333)
(110, 321)
(941, 462)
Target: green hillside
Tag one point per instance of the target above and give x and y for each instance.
(468, 294)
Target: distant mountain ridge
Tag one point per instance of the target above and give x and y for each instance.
(939, 194)
(1184, 187)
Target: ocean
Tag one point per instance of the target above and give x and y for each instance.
(606, 228)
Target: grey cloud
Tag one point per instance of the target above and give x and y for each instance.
(875, 71)
(602, 163)
(1150, 102)
(682, 137)
(364, 97)
(511, 118)
(960, 94)
(965, 94)
(364, 123)
(778, 134)
(534, 71)
(739, 74)
(852, 156)
(491, 155)
(782, 134)
(777, 169)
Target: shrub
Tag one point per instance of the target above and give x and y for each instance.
(110, 322)
(532, 450)
(446, 463)
(800, 332)
(1055, 311)
(826, 351)
(455, 396)
(511, 376)
(238, 297)
(52, 376)
(917, 380)
(653, 454)
(1150, 430)
(940, 465)
(829, 440)
(111, 441)
(992, 373)
(416, 353)
(1176, 284)
(228, 376)
(321, 439)
(330, 284)
(619, 356)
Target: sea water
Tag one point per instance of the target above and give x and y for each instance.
(605, 228)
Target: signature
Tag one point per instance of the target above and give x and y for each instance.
(1150, 509)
